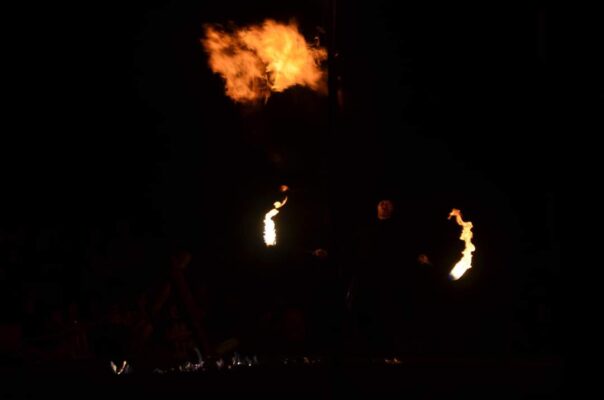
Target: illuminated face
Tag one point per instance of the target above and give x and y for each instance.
(385, 209)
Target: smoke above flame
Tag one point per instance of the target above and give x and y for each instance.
(259, 59)
(466, 235)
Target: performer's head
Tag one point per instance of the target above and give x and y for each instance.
(385, 208)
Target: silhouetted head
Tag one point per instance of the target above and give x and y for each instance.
(181, 259)
(385, 208)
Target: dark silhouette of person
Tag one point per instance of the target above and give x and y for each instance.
(388, 276)
(195, 314)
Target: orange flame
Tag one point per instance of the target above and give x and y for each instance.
(270, 233)
(259, 59)
(466, 235)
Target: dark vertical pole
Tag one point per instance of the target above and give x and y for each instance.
(333, 191)
(333, 115)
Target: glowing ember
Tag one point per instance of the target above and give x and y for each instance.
(270, 233)
(466, 235)
(258, 59)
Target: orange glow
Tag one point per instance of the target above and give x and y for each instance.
(466, 235)
(259, 59)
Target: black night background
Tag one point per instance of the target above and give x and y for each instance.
(121, 152)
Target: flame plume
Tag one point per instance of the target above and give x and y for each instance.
(259, 59)
(466, 235)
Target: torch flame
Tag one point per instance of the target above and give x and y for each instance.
(466, 235)
(259, 59)
(270, 233)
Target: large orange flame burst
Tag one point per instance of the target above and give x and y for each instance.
(466, 235)
(259, 59)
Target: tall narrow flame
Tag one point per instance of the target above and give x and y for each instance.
(270, 233)
(466, 235)
(259, 59)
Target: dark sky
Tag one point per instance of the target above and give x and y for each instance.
(115, 115)
(116, 101)
(118, 114)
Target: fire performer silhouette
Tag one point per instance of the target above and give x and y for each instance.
(388, 281)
